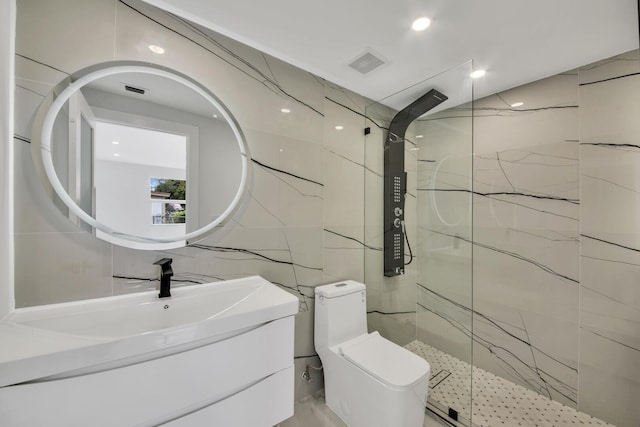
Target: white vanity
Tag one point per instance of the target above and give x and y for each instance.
(218, 354)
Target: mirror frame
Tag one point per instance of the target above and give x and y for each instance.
(88, 75)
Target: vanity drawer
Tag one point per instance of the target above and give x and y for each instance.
(270, 400)
(155, 391)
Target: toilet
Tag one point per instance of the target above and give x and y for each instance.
(369, 381)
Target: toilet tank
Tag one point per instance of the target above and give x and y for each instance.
(341, 313)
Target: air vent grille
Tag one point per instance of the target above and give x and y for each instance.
(134, 89)
(366, 63)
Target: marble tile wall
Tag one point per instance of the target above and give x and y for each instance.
(301, 222)
(609, 363)
(555, 304)
(526, 225)
(555, 239)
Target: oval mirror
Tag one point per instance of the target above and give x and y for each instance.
(142, 156)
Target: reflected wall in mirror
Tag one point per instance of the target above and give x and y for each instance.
(129, 149)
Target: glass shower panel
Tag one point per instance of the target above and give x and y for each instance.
(428, 309)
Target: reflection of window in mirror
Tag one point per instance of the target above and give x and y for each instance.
(168, 201)
(125, 159)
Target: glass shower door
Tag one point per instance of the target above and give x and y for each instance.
(428, 309)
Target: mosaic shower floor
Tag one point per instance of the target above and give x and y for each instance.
(496, 401)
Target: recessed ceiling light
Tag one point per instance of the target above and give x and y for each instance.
(215, 116)
(421, 24)
(156, 49)
(517, 104)
(281, 150)
(477, 74)
(116, 155)
(419, 136)
(285, 110)
(115, 142)
(339, 127)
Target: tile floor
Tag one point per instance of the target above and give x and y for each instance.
(496, 401)
(313, 412)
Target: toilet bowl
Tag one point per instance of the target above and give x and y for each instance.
(369, 381)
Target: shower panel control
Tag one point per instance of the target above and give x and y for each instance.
(395, 180)
(394, 211)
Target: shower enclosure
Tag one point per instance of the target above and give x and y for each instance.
(518, 289)
(428, 308)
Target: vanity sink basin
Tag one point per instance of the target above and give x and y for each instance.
(143, 313)
(89, 336)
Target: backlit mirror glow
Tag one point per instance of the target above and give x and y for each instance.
(129, 150)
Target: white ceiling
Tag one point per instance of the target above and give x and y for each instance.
(140, 146)
(516, 41)
(158, 90)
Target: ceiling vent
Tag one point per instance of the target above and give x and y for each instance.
(366, 62)
(134, 89)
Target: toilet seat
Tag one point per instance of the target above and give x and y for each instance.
(386, 361)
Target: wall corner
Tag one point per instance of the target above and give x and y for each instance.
(7, 79)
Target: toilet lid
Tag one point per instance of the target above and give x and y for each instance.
(386, 361)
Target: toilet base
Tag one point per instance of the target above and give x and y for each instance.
(361, 400)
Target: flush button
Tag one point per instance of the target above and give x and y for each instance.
(340, 285)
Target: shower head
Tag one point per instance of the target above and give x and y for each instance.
(394, 138)
(407, 115)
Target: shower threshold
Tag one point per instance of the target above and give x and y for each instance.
(496, 401)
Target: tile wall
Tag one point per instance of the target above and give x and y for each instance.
(609, 304)
(555, 239)
(555, 297)
(301, 221)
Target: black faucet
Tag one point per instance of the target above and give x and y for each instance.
(165, 276)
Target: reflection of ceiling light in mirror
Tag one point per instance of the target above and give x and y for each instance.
(115, 142)
(421, 24)
(419, 136)
(156, 49)
(339, 127)
(477, 74)
(517, 104)
(285, 110)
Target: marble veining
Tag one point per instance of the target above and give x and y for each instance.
(298, 225)
(523, 249)
(515, 255)
(541, 218)
(610, 258)
(555, 256)
(512, 364)
(268, 81)
(271, 168)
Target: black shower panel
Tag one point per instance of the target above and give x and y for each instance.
(395, 180)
